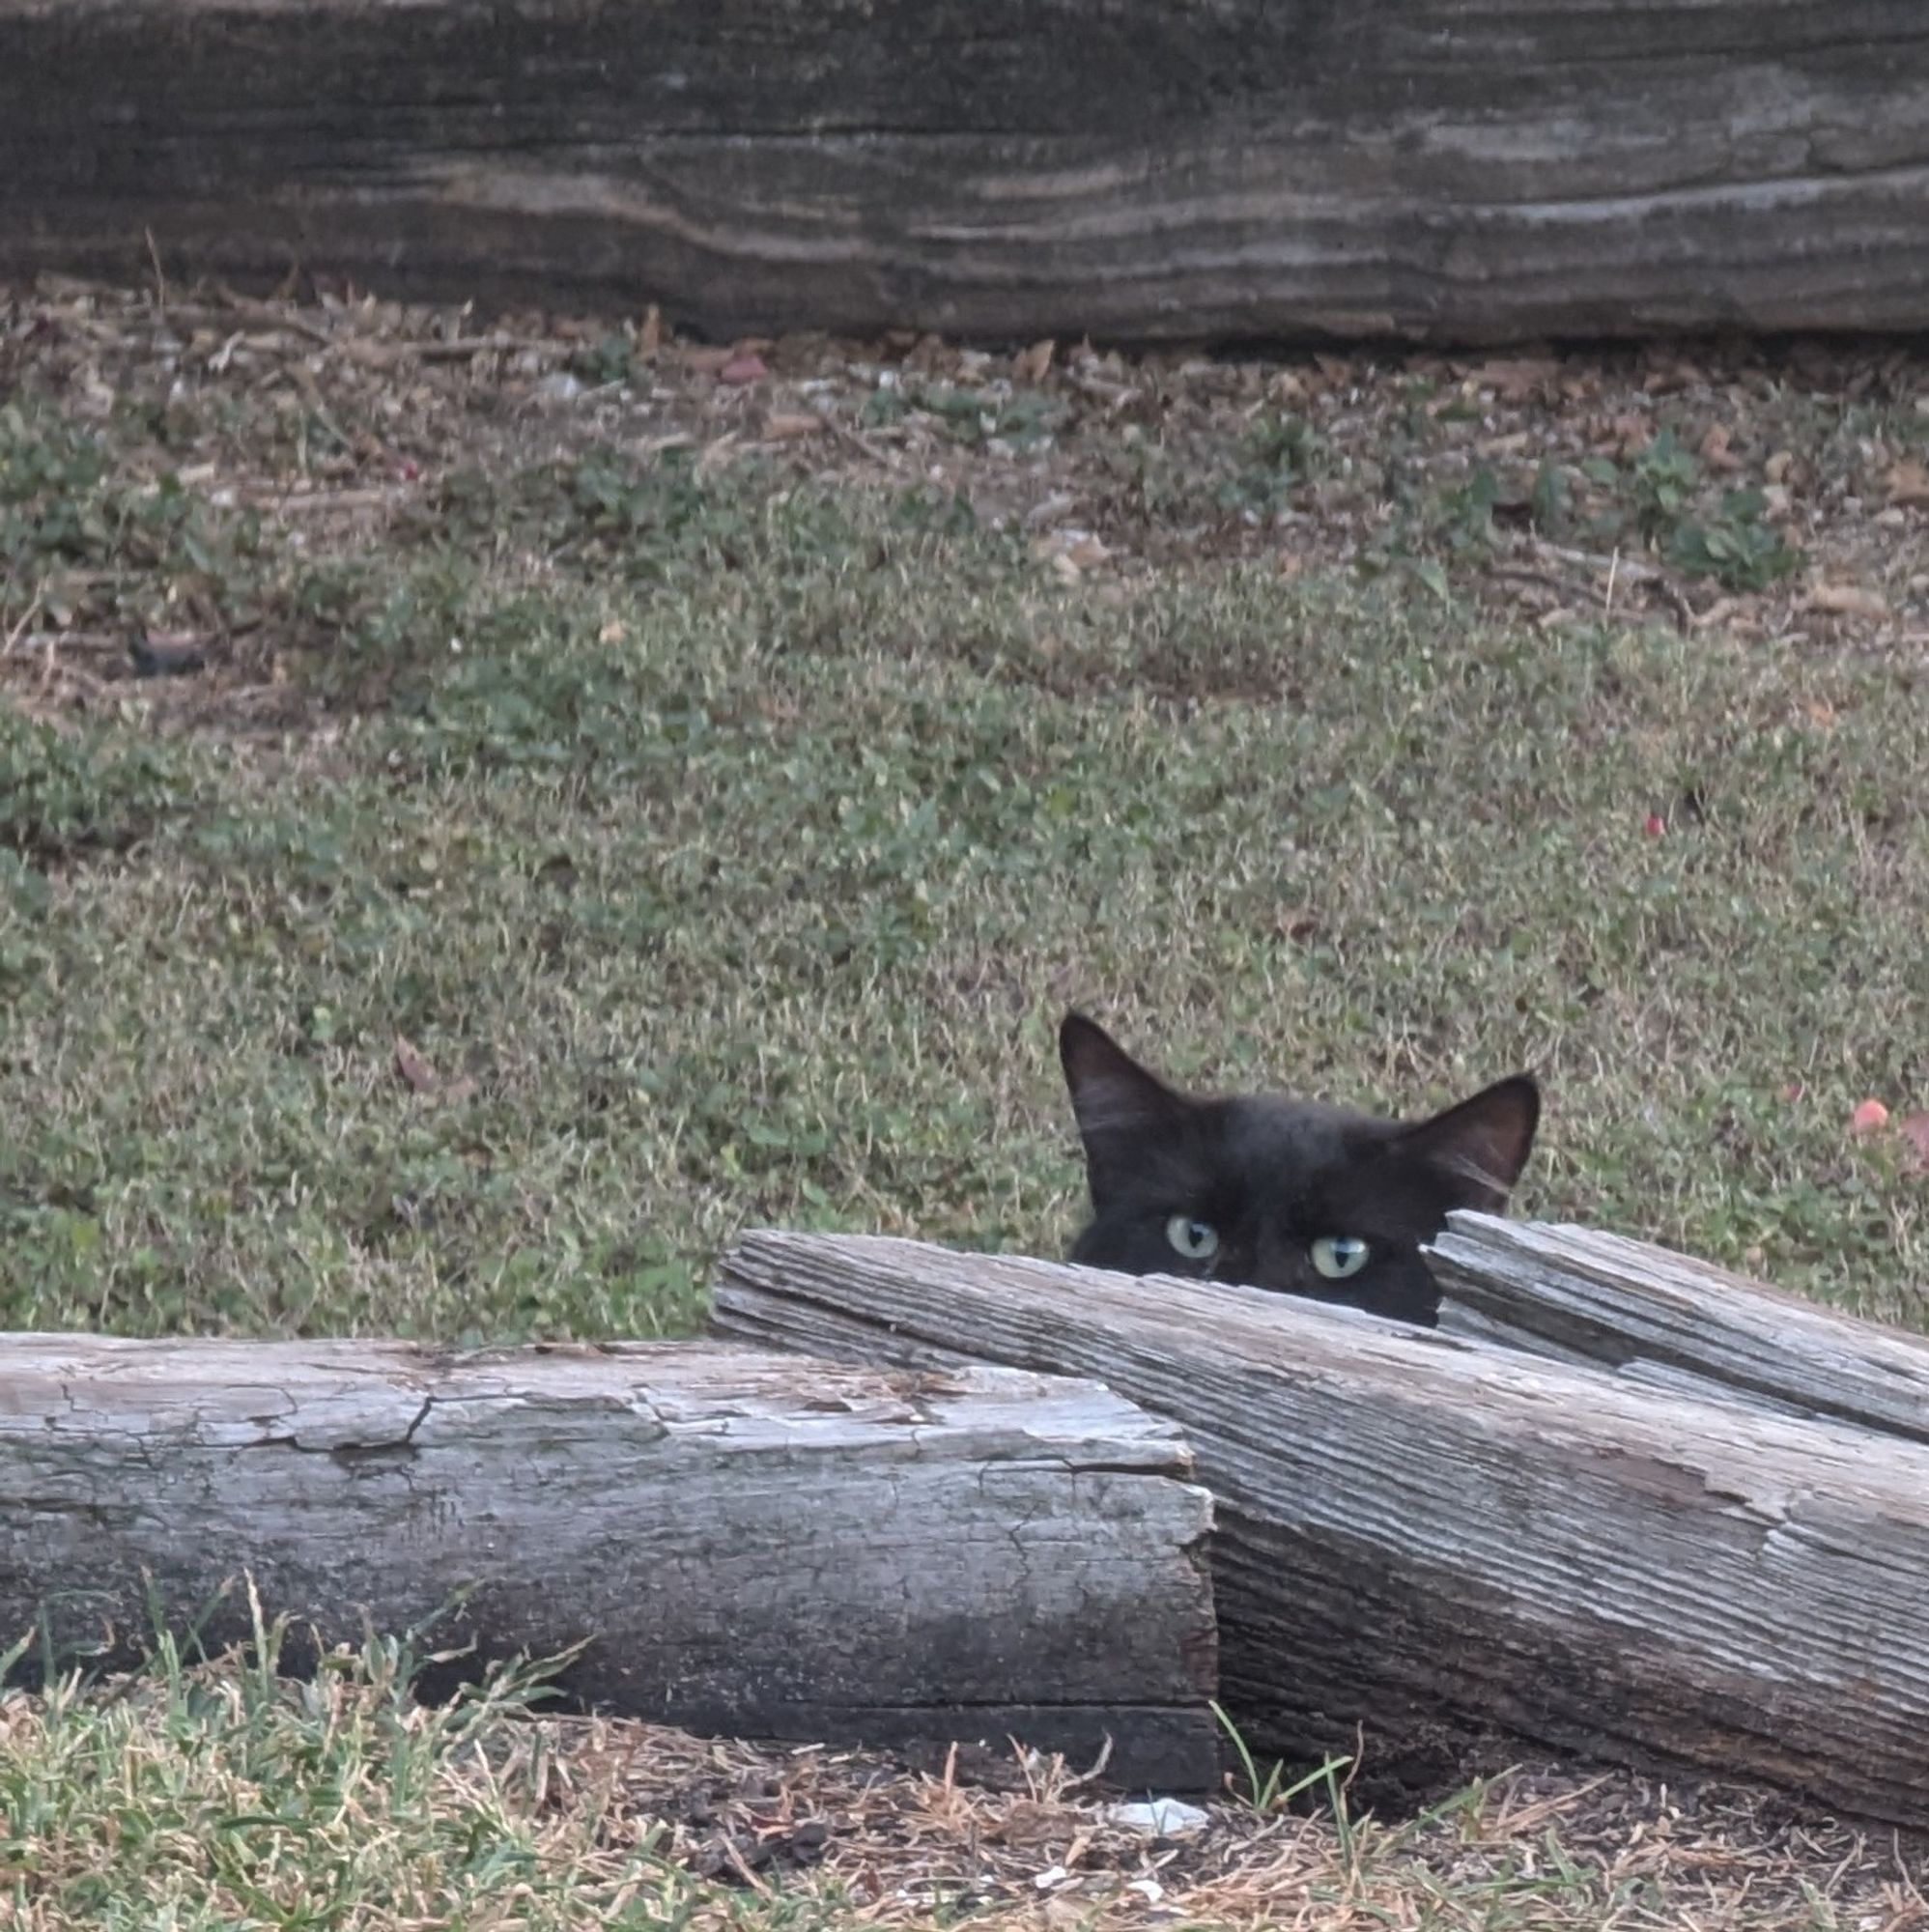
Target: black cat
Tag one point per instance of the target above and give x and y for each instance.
(1278, 1193)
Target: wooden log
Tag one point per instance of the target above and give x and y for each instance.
(1664, 1321)
(1150, 169)
(1456, 1548)
(752, 1545)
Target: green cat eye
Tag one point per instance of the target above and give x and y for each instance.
(1337, 1256)
(1196, 1240)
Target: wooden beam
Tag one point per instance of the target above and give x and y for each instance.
(758, 1545)
(1150, 169)
(1665, 1321)
(1459, 1547)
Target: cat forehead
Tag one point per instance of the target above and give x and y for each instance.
(1310, 1167)
(1268, 1137)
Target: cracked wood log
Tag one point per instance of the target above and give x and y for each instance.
(1666, 1322)
(754, 1545)
(1428, 169)
(1459, 1547)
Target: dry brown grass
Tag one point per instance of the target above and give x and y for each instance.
(1550, 489)
(222, 1796)
(1551, 1848)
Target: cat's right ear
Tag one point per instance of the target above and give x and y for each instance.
(1118, 1102)
(1483, 1143)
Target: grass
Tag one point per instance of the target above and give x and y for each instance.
(724, 843)
(222, 1797)
(216, 1794)
(743, 866)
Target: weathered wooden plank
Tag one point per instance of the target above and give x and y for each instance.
(1672, 1322)
(1447, 169)
(756, 1545)
(1456, 1546)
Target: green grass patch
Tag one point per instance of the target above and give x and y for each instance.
(202, 1796)
(738, 872)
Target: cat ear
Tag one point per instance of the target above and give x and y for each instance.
(1115, 1099)
(1483, 1143)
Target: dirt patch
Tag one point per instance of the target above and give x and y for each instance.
(1768, 491)
(1575, 1849)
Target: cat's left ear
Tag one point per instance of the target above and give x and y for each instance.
(1125, 1112)
(1482, 1143)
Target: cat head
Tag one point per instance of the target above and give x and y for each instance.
(1278, 1193)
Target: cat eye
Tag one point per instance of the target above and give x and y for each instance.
(1196, 1240)
(1337, 1256)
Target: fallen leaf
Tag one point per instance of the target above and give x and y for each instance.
(649, 336)
(1908, 482)
(741, 370)
(1674, 372)
(1776, 469)
(1632, 433)
(413, 1068)
(1030, 365)
(931, 352)
(1914, 1129)
(1870, 1116)
(1717, 612)
(1846, 599)
(793, 423)
(1714, 450)
(1515, 379)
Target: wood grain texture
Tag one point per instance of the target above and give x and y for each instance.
(1471, 170)
(1459, 1548)
(756, 1545)
(1667, 1321)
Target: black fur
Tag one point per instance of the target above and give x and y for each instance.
(1271, 1176)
